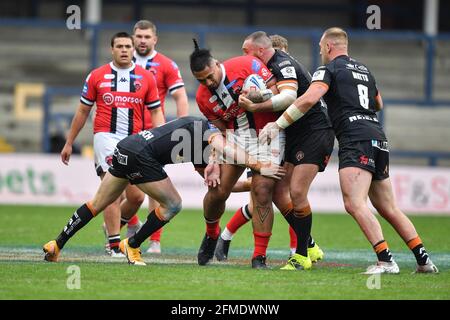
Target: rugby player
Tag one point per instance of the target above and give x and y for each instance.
(168, 80)
(122, 91)
(217, 98)
(352, 97)
(308, 146)
(139, 159)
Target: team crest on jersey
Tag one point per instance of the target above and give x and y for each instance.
(137, 85)
(109, 76)
(108, 98)
(265, 72)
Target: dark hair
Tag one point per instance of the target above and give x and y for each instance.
(120, 35)
(200, 58)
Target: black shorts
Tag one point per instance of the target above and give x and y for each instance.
(137, 168)
(371, 155)
(313, 147)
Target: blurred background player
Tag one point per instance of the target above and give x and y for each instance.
(279, 42)
(120, 89)
(352, 97)
(168, 79)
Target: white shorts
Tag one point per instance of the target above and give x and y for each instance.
(104, 146)
(273, 152)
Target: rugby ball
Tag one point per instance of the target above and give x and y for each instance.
(254, 82)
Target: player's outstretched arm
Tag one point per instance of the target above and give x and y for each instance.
(234, 153)
(78, 122)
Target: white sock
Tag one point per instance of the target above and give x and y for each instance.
(226, 234)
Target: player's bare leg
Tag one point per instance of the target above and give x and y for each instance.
(355, 183)
(262, 220)
(213, 209)
(111, 216)
(165, 193)
(129, 207)
(382, 198)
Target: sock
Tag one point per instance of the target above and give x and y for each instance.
(154, 222)
(419, 251)
(241, 217)
(80, 218)
(114, 241)
(311, 242)
(382, 250)
(156, 236)
(301, 222)
(292, 239)
(226, 234)
(212, 228)
(133, 221)
(261, 243)
(123, 222)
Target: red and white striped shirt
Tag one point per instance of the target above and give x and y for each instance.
(121, 95)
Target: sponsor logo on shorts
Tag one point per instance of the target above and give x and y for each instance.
(365, 160)
(121, 158)
(299, 155)
(134, 175)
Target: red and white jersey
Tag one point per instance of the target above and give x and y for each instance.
(122, 96)
(167, 74)
(222, 103)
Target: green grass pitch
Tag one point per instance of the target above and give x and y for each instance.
(175, 274)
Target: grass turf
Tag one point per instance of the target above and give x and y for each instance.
(175, 275)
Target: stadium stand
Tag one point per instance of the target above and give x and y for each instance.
(45, 52)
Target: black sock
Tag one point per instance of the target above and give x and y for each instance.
(123, 221)
(79, 219)
(302, 228)
(421, 254)
(311, 242)
(148, 228)
(382, 251)
(114, 241)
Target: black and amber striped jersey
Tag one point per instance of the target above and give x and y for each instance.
(350, 99)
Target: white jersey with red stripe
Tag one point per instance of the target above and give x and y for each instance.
(222, 103)
(166, 72)
(121, 96)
